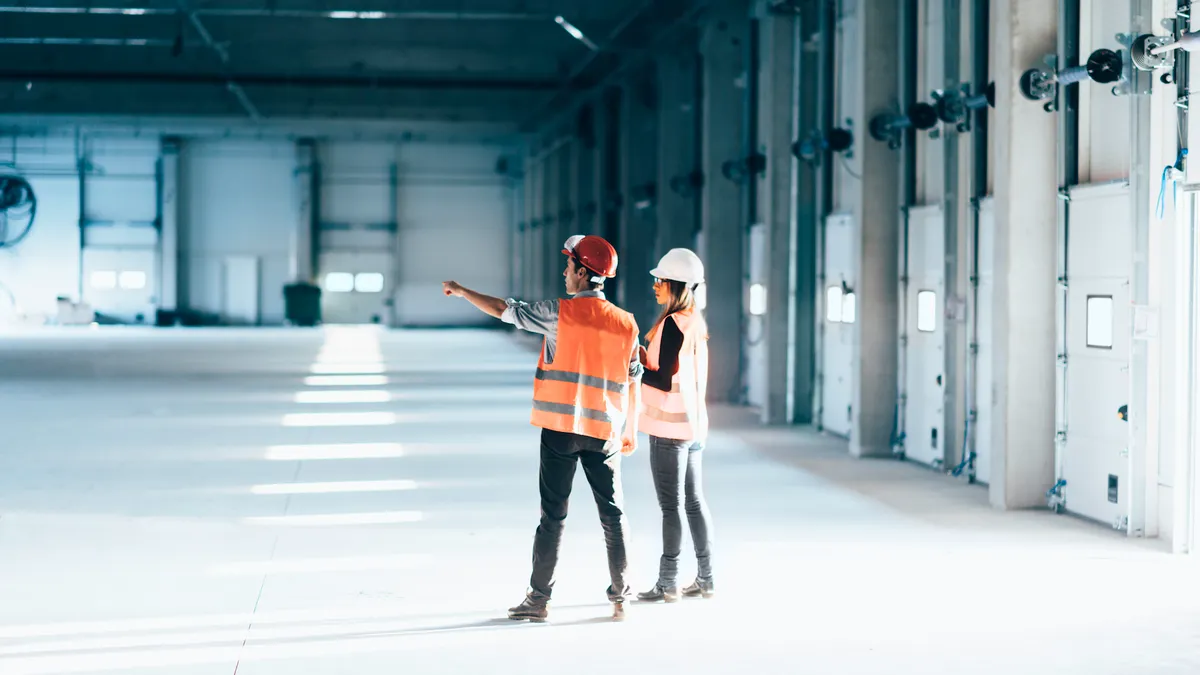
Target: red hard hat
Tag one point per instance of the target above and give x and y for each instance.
(594, 253)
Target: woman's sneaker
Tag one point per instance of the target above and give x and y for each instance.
(700, 587)
(659, 594)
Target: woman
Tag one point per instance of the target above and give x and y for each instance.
(675, 417)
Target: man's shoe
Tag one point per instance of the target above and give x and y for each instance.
(701, 588)
(530, 610)
(659, 594)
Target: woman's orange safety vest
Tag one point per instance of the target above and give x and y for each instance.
(586, 390)
(680, 414)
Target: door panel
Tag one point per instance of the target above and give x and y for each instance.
(1099, 313)
(924, 404)
(840, 313)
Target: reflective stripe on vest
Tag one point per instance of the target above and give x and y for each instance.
(680, 414)
(585, 391)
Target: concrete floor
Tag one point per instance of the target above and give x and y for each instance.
(168, 505)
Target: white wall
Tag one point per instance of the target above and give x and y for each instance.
(46, 264)
(239, 199)
(455, 216)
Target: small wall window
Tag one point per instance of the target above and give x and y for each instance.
(926, 311)
(104, 279)
(833, 304)
(849, 308)
(339, 282)
(133, 280)
(368, 282)
(1100, 321)
(758, 300)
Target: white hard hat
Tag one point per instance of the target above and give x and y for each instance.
(680, 264)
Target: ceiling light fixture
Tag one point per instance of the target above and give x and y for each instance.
(576, 33)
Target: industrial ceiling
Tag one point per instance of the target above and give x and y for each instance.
(496, 61)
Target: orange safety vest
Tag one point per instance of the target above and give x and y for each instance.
(680, 414)
(585, 391)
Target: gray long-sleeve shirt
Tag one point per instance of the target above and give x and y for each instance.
(542, 318)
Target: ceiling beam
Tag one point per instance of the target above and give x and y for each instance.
(222, 53)
(264, 12)
(414, 82)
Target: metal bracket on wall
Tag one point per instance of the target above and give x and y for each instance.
(1103, 66)
(889, 127)
(812, 147)
(645, 196)
(687, 185)
(740, 171)
(954, 106)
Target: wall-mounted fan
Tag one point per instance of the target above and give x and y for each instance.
(18, 206)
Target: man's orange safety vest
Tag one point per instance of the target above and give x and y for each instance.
(680, 414)
(585, 391)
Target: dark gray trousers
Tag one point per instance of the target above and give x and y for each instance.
(676, 466)
(602, 467)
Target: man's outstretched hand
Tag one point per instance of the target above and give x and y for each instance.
(452, 288)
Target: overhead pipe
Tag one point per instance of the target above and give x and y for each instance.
(1103, 66)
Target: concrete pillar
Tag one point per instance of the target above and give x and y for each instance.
(610, 198)
(587, 172)
(550, 221)
(778, 103)
(678, 151)
(723, 47)
(875, 202)
(170, 211)
(306, 246)
(1025, 241)
(639, 223)
(525, 253)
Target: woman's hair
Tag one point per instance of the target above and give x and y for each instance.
(683, 297)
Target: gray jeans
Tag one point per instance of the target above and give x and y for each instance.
(677, 479)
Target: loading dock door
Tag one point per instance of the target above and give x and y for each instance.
(1099, 329)
(356, 287)
(840, 308)
(925, 352)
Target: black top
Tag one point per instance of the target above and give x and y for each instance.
(668, 358)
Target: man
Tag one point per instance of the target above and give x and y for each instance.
(585, 393)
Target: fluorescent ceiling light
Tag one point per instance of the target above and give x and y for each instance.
(333, 487)
(324, 519)
(344, 396)
(343, 15)
(359, 419)
(301, 566)
(576, 33)
(331, 451)
(348, 368)
(346, 380)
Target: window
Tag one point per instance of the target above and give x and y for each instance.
(104, 279)
(368, 282)
(339, 282)
(758, 300)
(926, 311)
(1100, 321)
(849, 308)
(133, 280)
(833, 304)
